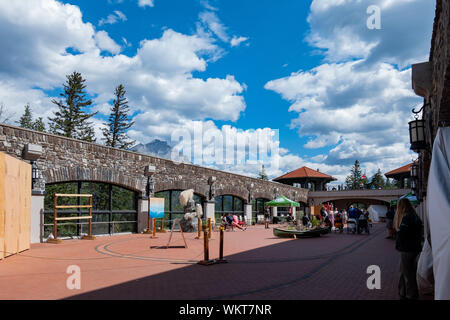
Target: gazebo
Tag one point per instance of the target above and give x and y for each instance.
(401, 175)
(307, 178)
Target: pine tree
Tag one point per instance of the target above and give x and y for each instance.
(26, 120)
(115, 133)
(262, 175)
(39, 125)
(378, 181)
(353, 181)
(71, 120)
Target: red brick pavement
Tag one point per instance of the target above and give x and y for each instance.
(260, 266)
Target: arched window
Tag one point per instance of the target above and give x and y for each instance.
(258, 207)
(229, 203)
(172, 207)
(114, 209)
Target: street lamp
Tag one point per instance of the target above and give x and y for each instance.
(212, 193)
(275, 191)
(417, 132)
(250, 196)
(149, 171)
(414, 171)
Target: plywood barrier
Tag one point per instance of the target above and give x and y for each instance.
(15, 205)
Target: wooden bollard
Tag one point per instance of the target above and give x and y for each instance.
(221, 259)
(209, 228)
(199, 232)
(154, 229)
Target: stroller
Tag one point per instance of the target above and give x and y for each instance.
(351, 225)
(338, 224)
(363, 224)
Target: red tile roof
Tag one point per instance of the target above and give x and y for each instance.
(305, 172)
(404, 169)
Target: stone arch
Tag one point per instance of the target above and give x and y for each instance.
(230, 191)
(182, 185)
(100, 174)
(262, 195)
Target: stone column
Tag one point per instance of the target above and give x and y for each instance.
(274, 212)
(248, 213)
(37, 217)
(142, 214)
(294, 213)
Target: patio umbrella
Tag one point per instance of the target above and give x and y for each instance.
(282, 201)
(412, 198)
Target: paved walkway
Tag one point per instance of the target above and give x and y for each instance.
(260, 266)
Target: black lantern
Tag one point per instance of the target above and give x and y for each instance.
(413, 184)
(414, 171)
(34, 174)
(417, 132)
(417, 135)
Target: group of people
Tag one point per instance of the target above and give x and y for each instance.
(229, 220)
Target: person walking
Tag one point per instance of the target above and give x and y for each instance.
(409, 243)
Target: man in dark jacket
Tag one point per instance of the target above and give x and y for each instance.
(409, 243)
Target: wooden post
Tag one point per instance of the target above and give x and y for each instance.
(206, 244)
(199, 227)
(209, 228)
(89, 236)
(154, 229)
(221, 259)
(55, 216)
(55, 239)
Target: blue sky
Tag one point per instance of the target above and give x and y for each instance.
(334, 89)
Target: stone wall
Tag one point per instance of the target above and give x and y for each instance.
(66, 159)
(440, 64)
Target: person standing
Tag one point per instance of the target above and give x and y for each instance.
(389, 223)
(409, 243)
(267, 218)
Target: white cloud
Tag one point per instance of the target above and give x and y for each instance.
(210, 24)
(40, 49)
(104, 42)
(113, 18)
(236, 41)
(146, 3)
(358, 103)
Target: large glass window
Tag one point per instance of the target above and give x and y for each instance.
(258, 207)
(228, 203)
(172, 206)
(114, 209)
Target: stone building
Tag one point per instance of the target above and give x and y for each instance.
(431, 80)
(118, 180)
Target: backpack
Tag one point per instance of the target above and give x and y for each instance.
(409, 237)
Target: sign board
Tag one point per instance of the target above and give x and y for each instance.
(157, 208)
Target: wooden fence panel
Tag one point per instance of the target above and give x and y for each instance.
(2, 207)
(15, 205)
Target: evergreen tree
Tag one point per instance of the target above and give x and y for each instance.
(115, 133)
(39, 125)
(378, 181)
(263, 175)
(26, 120)
(71, 120)
(353, 181)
